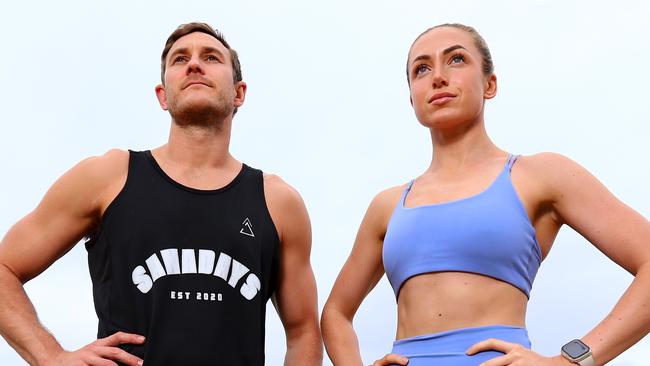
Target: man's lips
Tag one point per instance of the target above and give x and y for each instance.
(441, 98)
(195, 82)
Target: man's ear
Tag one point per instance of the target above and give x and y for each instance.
(240, 93)
(161, 94)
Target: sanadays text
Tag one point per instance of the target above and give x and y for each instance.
(187, 264)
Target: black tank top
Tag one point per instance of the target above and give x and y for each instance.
(191, 270)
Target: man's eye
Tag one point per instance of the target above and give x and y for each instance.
(179, 59)
(212, 58)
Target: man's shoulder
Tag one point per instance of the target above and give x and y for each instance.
(98, 178)
(280, 192)
(113, 163)
(287, 209)
(86, 188)
(110, 157)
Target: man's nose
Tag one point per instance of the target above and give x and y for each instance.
(194, 65)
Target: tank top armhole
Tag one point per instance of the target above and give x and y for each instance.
(106, 216)
(276, 251)
(267, 213)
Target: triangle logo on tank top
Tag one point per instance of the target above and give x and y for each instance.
(248, 228)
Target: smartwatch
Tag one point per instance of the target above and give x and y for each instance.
(578, 352)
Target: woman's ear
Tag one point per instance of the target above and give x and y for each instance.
(490, 87)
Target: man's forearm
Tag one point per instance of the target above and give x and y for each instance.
(304, 348)
(19, 324)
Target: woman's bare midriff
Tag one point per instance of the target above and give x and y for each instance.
(441, 301)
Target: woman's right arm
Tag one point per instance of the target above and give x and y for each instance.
(357, 278)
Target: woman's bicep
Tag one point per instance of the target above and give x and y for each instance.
(364, 267)
(585, 204)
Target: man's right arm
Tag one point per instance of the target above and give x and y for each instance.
(70, 209)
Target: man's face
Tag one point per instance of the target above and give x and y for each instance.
(199, 80)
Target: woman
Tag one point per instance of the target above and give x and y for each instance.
(461, 244)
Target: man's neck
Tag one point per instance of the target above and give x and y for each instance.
(199, 147)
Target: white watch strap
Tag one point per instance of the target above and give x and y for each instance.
(589, 361)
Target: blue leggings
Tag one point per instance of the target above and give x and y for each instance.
(448, 348)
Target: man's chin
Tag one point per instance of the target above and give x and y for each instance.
(200, 113)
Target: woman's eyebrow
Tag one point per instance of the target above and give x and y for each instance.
(452, 49)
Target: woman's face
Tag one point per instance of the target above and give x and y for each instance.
(448, 86)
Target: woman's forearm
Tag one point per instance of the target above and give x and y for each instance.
(340, 339)
(626, 324)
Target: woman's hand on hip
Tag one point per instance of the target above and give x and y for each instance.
(391, 359)
(515, 355)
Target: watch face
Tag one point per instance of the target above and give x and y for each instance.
(575, 349)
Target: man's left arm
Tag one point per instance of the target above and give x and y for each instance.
(295, 296)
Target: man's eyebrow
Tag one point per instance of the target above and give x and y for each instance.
(184, 50)
(210, 49)
(177, 51)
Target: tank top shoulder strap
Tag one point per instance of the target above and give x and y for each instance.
(139, 166)
(137, 159)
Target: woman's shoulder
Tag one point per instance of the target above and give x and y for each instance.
(547, 164)
(383, 204)
(551, 172)
(545, 158)
(389, 196)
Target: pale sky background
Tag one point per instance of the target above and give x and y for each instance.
(327, 109)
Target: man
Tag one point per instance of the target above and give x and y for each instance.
(186, 244)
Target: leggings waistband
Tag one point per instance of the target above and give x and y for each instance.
(448, 347)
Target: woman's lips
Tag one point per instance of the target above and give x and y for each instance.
(441, 101)
(441, 98)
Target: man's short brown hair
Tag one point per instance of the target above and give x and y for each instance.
(185, 29)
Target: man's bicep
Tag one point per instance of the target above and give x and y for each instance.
(66, 213)
(295, 296)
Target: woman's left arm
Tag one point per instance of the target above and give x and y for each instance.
(579, 200)
(622, 234)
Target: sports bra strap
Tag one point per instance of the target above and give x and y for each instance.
(511, 161)
(405, 192)
(410, 185)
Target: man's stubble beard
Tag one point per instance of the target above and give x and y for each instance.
(203, 114)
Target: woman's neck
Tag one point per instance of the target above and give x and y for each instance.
(461, 148)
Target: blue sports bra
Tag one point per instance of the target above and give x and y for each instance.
(488, 234)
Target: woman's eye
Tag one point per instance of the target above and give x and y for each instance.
(456, 59)
(421, 69)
